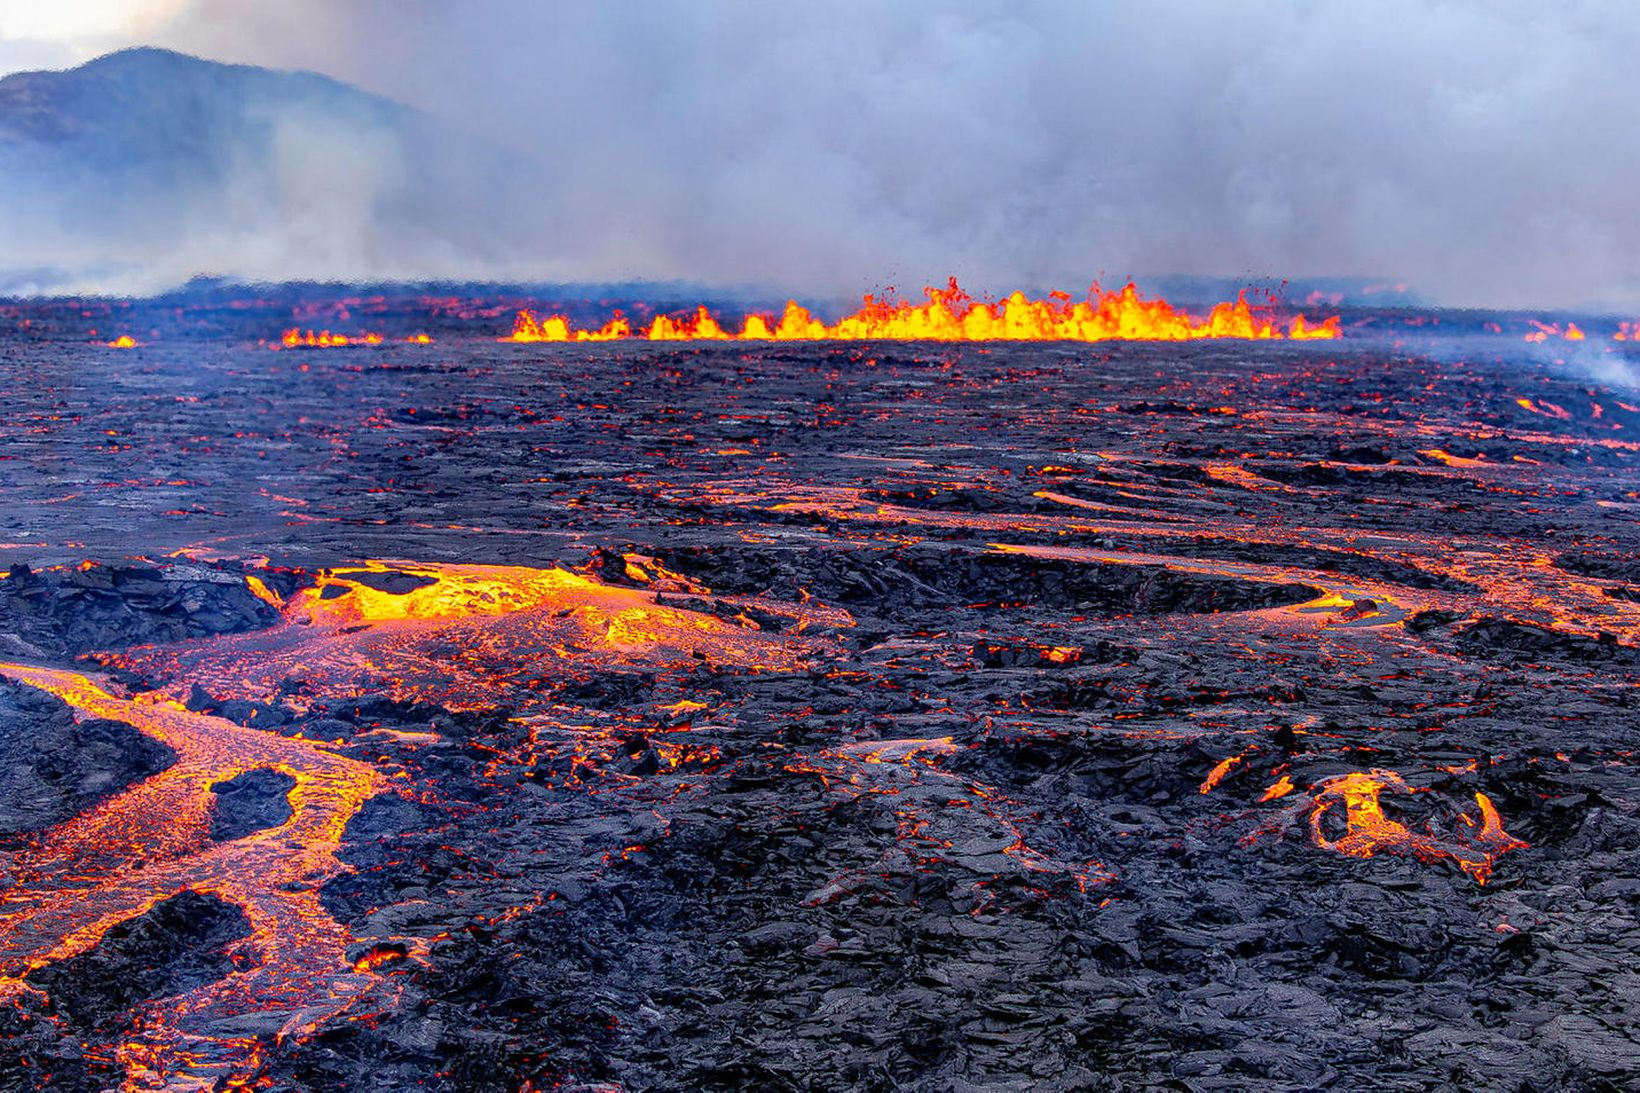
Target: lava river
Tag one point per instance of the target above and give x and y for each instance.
(152, 842)
(461, 633)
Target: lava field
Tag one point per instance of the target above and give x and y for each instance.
(480, 716)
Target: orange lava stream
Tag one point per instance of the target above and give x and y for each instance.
(1216, 775)
(465, 631)
(454, 631)
(1277, 789)
(151, 842)
(951, 315)
(1369, 832)
(1512, 578)
(124, 341)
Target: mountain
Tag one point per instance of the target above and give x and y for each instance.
(145, 167)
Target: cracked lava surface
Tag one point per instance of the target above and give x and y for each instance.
(802, 716)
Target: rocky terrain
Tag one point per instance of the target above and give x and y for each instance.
(1203, 717)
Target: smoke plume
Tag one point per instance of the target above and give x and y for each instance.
(1482, 153)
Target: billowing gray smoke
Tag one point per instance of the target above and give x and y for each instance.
(1482, 152)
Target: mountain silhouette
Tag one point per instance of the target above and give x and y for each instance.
(144, 167)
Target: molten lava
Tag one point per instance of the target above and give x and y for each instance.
(951, 315)
(1368, 831)
(1542, 332)
(124, 341)
(123, 856)
(455, 632)
(324, 339)
(1278, 789)
(1216, 775)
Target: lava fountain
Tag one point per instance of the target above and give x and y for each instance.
(949, 314)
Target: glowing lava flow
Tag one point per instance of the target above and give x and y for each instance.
(324, 339)
(453, 633)
(1368, 831)
(1542, 332)
(951, 315)
(151, 842)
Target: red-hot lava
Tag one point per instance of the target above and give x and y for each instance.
(1542, 332)
(324, 339)
(1392, 607)
(951, 315)
(1355, 800)
(151, 842)
(462, 630)
(455, 632)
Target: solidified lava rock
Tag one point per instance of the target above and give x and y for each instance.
(1524, 638)
(1509, 639)
(393, 582)
(180, 943)
(39, 1053)
(1612, 566)
(1328, 561)
(951, 853)
(52, 767)
(387, 844)
(252, 801)
(98, 607)
(932, 578)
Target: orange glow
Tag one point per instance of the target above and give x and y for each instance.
(124, 855)
(1368, 831)
(1542, 332)
(452, 637)
(1547, 409)
(263, 592)
(377, 956)
(1278, 789)
(124, 341)
(1454, 460)
(949, 314)
(1216, 775)
(324, 339)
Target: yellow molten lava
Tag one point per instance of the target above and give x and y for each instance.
(951, 315)
(1542, 332)
(455, 632)
(1368, 831)
(1216, 775)
(1278, 789)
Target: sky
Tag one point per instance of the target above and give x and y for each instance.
(1483, 153)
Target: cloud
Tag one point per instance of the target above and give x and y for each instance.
(66, 32)
(1482, 153)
